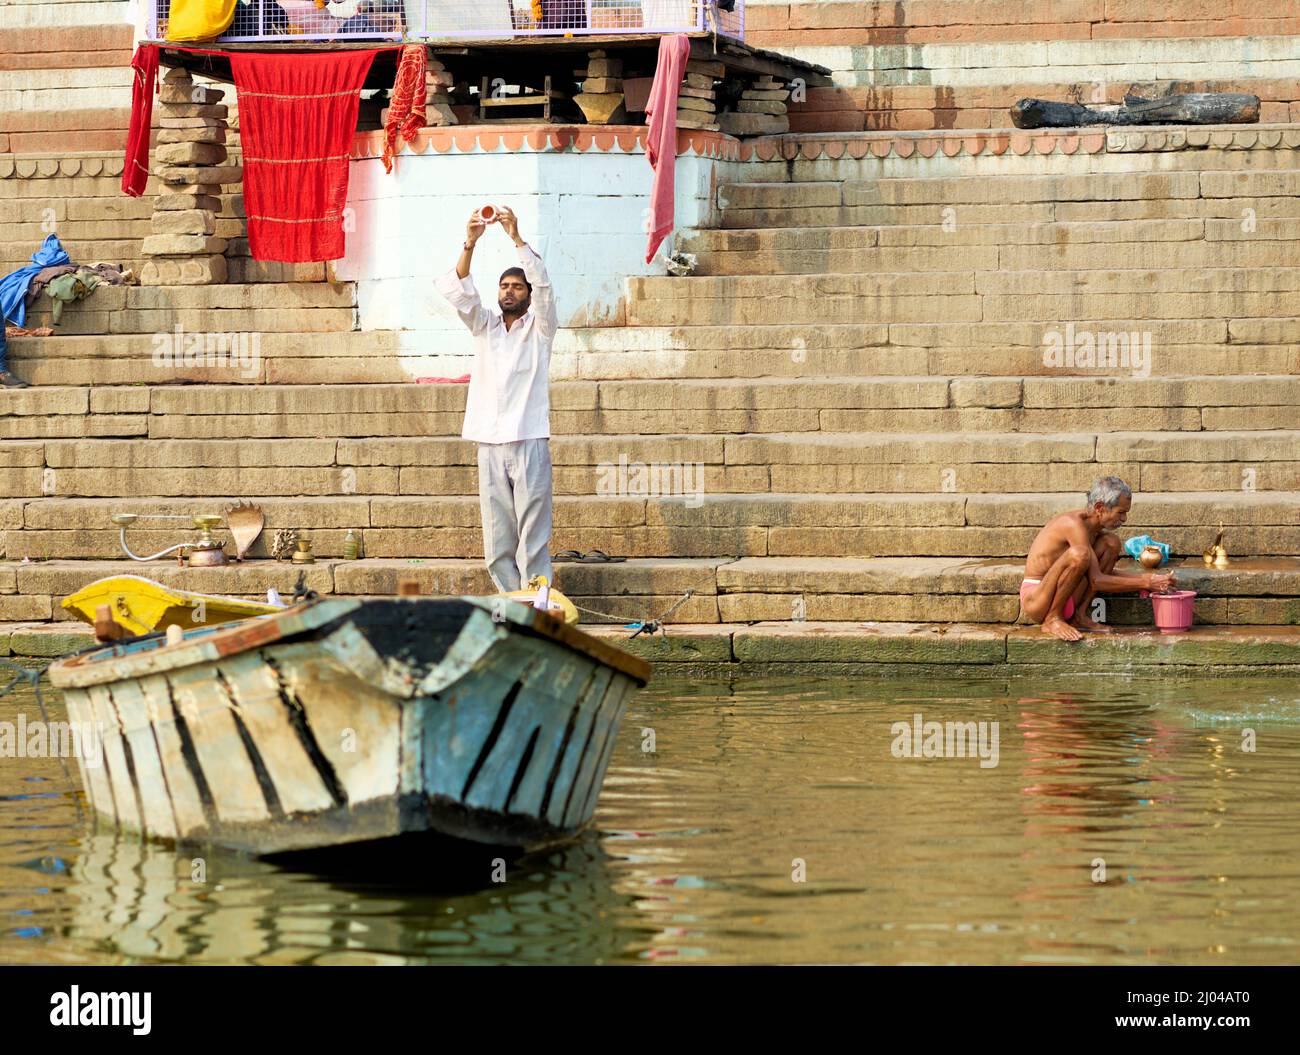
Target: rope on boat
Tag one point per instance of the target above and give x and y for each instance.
(650, 626)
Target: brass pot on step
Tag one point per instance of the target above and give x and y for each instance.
(207, 552)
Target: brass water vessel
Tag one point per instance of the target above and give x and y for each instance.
(1216, 556)
(206, 552)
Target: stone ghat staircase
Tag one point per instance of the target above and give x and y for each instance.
(858, 372)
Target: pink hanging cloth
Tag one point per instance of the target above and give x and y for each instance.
(661, 136)
(297, 117)
(135, 173)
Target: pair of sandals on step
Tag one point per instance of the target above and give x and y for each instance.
(592, 556)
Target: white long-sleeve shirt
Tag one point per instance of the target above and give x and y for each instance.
(509, 395)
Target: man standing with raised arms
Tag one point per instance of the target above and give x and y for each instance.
(507, 409)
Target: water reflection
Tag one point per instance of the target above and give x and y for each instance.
(771, 824)
(143, 903)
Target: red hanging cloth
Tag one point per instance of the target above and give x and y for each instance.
(297, 117)
(135, 172)
(661, 136)
(406, 110)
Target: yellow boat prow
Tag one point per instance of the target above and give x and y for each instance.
(555, 598)
(142, 605)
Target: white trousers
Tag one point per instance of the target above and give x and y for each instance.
(514, 491)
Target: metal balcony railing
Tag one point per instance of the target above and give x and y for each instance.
(301, 21)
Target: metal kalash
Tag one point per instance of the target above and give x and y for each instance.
(207, 552)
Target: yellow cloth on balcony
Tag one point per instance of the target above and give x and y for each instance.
(191, 20)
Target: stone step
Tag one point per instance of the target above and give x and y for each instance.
(1259, 591)
(1235, 249)
(795, 525)
(1112, 403)
(954, 296)
(795, 463)
(125, 251)
(377, 357)
(946, 650)
(64, 132)
(240, 297)
(874, 649)
(981, 44)
(109, 33)
(75, 233)
(1019, 189)
(1036, 237)
(909, 107)
(287, 307)
(53, 88)
(55, 15)
(1179, 346)
(1234, 208)
(994, 282)
(1251, 592)
(1008, 152)
(820, 394)
(956, 191)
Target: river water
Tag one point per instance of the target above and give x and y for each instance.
(774, 821)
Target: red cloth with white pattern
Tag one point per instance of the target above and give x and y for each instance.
(406, 110)
(297, 119)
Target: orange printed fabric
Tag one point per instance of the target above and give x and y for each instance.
(406, 113)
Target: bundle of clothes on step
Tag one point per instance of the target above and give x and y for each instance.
(53, 273)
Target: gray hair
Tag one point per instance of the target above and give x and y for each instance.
(1108, 490)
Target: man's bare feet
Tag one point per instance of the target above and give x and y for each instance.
(1082, 622)
(1058, 627)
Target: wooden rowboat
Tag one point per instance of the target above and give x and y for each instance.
(141, 605)
(343, 720)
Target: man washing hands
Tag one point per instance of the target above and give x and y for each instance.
(1073, 558)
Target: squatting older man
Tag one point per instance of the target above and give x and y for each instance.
(507, 409)
(1072, 560)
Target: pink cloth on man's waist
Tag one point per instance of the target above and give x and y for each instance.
(1027, 587)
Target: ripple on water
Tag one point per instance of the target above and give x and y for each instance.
(1123, 823)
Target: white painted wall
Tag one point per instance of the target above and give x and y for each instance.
(582, 211)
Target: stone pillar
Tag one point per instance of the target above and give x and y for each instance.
(697, 105)
(601, 98)
(191, 164)
(437, 100)
(761, 111)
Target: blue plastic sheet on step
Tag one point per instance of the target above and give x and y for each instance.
(13, 287)
(1134, 546)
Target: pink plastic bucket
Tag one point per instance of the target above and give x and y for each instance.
(1173, 611)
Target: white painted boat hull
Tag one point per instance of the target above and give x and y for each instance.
(343, 721)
